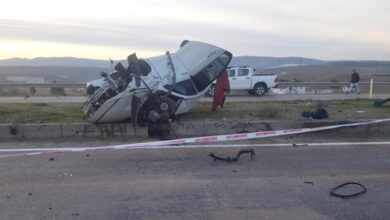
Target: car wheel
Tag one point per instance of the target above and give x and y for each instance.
(211, 91)
(91, 89)
(260, 89)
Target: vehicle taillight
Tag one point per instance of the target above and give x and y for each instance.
(276, 79)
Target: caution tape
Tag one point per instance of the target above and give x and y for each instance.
(180, 143)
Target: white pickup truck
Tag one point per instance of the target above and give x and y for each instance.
(245, 78)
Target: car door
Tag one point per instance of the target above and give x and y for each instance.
(232, 78)
(243, 80)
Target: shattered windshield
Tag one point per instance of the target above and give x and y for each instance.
(203, 79)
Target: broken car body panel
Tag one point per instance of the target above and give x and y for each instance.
(180, 79)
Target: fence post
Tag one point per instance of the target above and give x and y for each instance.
(371, 87)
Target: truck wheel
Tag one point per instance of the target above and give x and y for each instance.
(260, 89)
(211, 91)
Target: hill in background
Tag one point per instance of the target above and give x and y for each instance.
(336, 71)
(79, 70)
(267, 62)
(55, 61)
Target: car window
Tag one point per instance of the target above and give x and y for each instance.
(232, 73)
(207, 75)
(243, 72)
(184, 87)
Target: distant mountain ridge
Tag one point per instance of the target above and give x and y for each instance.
(55, 61)
(257, 61)
(267, 62)
(79, 70)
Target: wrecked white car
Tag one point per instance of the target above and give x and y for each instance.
(157, 88)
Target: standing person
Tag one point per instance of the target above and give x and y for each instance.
(221, 87)
(355, 78)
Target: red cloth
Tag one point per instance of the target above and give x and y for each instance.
(221, 86)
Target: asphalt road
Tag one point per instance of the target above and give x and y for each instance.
(187, 184)
(245, 98)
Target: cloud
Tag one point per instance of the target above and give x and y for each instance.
(321, 29)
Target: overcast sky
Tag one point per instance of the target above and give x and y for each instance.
(323, 29)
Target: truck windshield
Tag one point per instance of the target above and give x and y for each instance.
(207, 75)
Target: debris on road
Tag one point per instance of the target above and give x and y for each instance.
(13, 130)
(234, 159)
(379, 103)
(333, 191)
(320, 113)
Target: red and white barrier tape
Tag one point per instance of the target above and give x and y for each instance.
(169, 143)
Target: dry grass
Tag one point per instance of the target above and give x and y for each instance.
(245, 111)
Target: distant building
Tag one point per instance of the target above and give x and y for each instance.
(24, 79)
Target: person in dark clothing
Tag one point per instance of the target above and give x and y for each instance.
(355, 78)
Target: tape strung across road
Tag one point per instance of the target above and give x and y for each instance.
(174, 143)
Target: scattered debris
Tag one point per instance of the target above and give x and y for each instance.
(87, 155)
(13, 130)
(234, 159)
(360, 112)
(29, 194)
(320, 113)
(309, 182)
(379, 103)
(51, 159)
(332, 191)
(75, 214)
(299, 145)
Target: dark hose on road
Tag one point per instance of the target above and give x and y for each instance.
(333, 190)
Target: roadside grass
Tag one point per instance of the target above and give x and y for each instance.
(246, 111)
(289, 110)
(41, 113)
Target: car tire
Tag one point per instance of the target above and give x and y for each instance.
(260, 89)
(91, 89)
(211, 91)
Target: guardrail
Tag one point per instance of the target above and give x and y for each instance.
(42, 85)
(329, 84)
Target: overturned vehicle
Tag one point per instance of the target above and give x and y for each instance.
(158, 88)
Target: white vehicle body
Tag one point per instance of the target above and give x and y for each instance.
(194, 67)
(245, 78)
(94, 85)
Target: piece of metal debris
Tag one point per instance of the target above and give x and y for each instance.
(333, 191)
(13, 130)
(234, 159)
